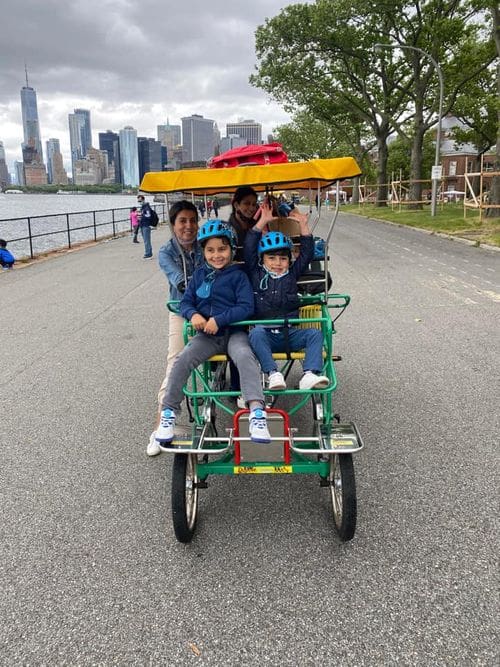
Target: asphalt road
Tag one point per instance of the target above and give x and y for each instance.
(90, 571)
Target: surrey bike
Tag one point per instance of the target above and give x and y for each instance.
(327, 448)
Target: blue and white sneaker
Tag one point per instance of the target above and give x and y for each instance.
(258, 427)
(165, 431)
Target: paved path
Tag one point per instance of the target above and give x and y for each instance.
(90, 571)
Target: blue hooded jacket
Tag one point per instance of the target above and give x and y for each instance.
(276, 298)
(230, 299)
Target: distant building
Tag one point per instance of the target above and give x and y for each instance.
(458, 159)
(31, 125)
(198, 138)
(169, 136)
(19, 169)
(149, 152)
(4, 172)
(129, 158)
(93, 169)
(55, 167)
(34, 168)
(232, 141)
(246, 129)
(59, 175)
(110, 142)
(87, 129)
(35, 174)
(80, 135)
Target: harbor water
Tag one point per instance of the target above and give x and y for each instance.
(81, 216)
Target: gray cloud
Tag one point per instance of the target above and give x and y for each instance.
(131, 62)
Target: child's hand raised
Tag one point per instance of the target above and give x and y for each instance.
(198, 322)
(295, 214)
(266, 214)
(211, 327)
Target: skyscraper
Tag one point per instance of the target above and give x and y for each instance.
(169, 136)
(80, 135)
(52, 147)
(4, 172)
(198, 138)
(247, 129)
(86, 130)
(31, 125)
(110, 142)
(129, 158)
(149, 151)
(55, 167)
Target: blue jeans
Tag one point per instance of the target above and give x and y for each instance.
(200, 348)
(264, 342)
(146, 236)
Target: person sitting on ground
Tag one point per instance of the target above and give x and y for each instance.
(268, 261)
(218, 294)
(178, 259)
(7, 259)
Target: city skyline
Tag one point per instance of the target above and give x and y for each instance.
(135, 64)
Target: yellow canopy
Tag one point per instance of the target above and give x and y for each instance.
(287, 176)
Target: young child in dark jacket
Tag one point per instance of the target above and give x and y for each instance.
(218, 294)
(7, 259)
(268, 260)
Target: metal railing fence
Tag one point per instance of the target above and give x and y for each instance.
(31, 236)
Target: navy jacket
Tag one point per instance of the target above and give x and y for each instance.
(230, 299)
(276, 298)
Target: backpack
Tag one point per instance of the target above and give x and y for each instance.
(153, 218)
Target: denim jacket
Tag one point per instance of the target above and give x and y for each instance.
(179, 265)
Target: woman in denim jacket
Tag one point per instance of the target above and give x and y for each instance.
(178, 259)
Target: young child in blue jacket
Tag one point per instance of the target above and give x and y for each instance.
(218, 294)
(268, 260)
(7, 259)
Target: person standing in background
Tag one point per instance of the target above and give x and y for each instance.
(215, 206)
(134, 221)
(145, 216)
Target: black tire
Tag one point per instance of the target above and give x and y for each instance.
(343, 494)
(184, 496)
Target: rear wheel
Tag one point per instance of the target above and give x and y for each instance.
(184, 496)
(343, 492)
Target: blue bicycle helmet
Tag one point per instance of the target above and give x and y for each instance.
(275, 241)
(217, 229)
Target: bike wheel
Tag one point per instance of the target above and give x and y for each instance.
(184, 496)
(343, 492)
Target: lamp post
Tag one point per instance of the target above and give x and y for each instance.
(436, 171)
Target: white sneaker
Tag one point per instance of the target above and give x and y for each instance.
(312, 381)
(258, 426)
(165, 431)
(241, 403)
(153, 447)
(276, 381)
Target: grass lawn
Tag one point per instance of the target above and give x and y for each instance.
(449, 219)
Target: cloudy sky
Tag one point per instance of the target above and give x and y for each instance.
(131, 62)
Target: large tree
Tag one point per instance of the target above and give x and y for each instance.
(320, 58)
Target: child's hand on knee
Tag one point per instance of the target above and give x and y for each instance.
(198, 322)
(211, 327)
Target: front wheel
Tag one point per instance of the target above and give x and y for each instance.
(343, 492)
(184, 496)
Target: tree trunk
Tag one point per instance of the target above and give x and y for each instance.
(355, 190)
(383, 154)
(415, 191)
